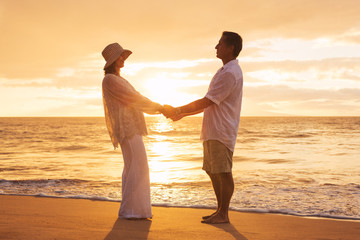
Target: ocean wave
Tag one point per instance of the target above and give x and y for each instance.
(7, 153)
(243, 159)
(303, 135)
(300, 196)
(175, 133)
(275, 161)
(43, 181)
(72, 148)
(11, 169)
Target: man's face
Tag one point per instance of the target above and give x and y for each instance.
(223, 50)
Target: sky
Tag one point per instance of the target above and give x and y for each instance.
(299, 58)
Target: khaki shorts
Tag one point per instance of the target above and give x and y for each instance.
(217, 157)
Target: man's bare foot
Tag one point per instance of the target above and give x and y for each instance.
(207, 217)
(216, 219)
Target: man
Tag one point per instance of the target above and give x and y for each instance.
(221, 106)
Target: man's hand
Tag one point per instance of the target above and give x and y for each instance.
(169, 111)
(177, 117)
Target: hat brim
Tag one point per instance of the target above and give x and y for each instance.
(126, 53)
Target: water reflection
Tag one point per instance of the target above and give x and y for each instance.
(161, 125)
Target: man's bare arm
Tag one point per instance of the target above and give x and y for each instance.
(192, 108)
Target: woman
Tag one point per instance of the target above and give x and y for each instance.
(125, 121)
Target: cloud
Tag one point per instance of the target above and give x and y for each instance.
(284, 93)
(308, 19)
(321, 74)
(77, 109)
(352, 36)
(286, 100)
(41, 36)
(281, 49)
(16, 82)
(306, 47)
(134, 68)
(297, 65)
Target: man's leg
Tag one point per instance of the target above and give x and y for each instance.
(226, 191)
(215, 181)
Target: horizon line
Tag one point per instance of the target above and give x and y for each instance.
(187, 116)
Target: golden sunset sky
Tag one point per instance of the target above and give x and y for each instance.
(300, 58)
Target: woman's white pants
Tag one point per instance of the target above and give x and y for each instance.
(136, 202)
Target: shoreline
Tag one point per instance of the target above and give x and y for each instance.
(260, 211)
(31, 217)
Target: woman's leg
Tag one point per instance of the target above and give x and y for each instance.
(135, 201)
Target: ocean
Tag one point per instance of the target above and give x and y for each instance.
(304, 166)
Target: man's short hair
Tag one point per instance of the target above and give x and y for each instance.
(233, 39)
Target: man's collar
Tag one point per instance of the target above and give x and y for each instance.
(229, 64)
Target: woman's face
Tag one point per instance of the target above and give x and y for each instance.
(120, 62)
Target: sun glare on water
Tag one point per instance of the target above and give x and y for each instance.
(161, 159)
(163, 153)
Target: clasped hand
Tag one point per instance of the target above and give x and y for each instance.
(170, 112)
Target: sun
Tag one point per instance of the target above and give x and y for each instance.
(166, 90)
(162, 90)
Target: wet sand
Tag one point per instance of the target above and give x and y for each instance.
(25, 217)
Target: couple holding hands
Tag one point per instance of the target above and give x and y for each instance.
(124, 109)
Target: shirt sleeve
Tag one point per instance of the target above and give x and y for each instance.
(221, 87)
(125, 94)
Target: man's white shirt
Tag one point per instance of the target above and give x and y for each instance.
(221, 120)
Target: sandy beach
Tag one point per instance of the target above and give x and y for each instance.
(26, 217)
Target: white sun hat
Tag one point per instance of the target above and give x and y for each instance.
(112, 52)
